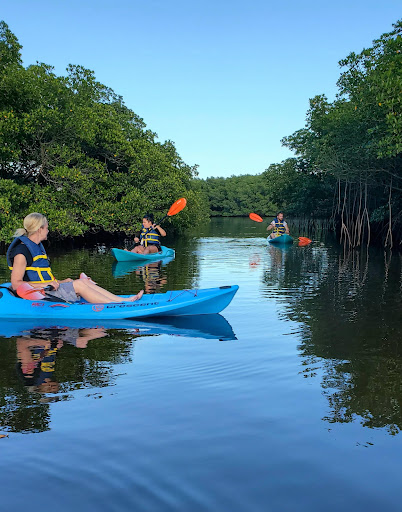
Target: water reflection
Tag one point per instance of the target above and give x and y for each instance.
(123, 268)
(37, 353)
(44, 363)
(350, 327)
(153, 274)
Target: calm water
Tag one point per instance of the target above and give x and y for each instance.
(291, 400)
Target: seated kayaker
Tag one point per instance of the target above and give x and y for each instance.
(279, 226)
(28, 262)
(149, 240)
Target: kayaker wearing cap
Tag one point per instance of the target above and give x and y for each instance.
(28, 262)
(279, 226)
(149, 239)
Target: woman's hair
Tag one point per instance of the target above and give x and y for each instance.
(32, 223)
(149, 217)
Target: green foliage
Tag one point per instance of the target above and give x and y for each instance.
(238, 195)
(84, 159)
(297, 190)
(9, 48)
(356, 141)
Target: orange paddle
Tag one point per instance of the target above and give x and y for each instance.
(176, 207)
(255, 217)
(303, 240)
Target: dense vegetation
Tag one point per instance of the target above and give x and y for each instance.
(237, 196)
(348, 163)
(71, 149)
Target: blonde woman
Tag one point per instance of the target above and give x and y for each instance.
(28, 262)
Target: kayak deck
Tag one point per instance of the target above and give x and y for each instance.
(172, 303)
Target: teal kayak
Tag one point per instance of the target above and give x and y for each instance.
(122, 255)
(281, 239)
(205, 301)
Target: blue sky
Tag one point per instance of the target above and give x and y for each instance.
(225, 80)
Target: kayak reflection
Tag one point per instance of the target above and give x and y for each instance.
(124, 268)
(42, 363)
(76, 333)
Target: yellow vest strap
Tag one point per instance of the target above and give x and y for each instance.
(43, 256)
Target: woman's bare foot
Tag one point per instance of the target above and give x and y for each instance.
(133, 298)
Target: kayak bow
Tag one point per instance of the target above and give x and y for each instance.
(281, 239)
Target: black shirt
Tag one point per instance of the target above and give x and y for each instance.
(21, 248)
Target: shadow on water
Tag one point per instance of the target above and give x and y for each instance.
(348, 305)
(44, 363)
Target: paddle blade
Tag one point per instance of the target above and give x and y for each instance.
(26, 291)
(177, 206)
(255, 217)
(303, 241)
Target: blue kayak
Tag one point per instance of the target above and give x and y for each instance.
(281, 239)
(122, 255)
(179, 302)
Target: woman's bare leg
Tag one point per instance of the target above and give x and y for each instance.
(95, 294)
(151, 249)
(140, 249)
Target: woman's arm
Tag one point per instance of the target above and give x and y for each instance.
(18, 271)
(161, 230)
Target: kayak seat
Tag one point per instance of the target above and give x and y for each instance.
(49, 298)
(11, 291)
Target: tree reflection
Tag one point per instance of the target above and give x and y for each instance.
(348, 304)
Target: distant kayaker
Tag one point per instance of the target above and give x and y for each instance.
(149, 239)
(279, 226)
(28, 262)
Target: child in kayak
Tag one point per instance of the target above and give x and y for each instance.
(28, 262)
(149, 239)
(279, 226)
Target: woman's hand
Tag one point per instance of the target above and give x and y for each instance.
(136, 239)
(54, 283)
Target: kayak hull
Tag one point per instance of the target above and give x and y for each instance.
(172, 303)
(122, 255)
(281, 240)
